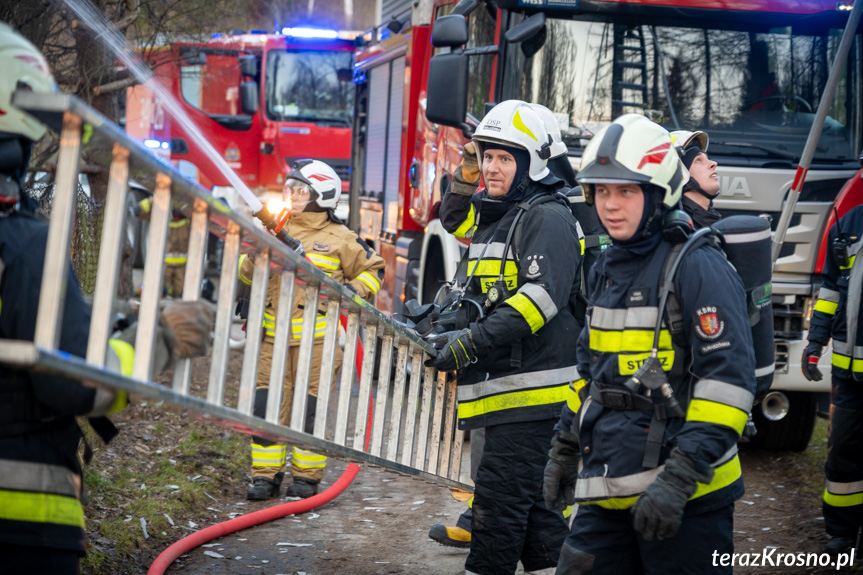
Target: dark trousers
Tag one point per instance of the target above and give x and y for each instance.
(510, 521)
(21, 560)
(604, 541)
(843, 498)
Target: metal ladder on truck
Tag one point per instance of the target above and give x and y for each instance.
(629, 71)
(413, 427)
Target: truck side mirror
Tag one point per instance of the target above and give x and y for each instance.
(446, 102)
(249, 97)
(449, 32)
(526, 29)
(248, 65)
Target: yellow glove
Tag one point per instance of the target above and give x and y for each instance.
(470, 163)
(189, 324)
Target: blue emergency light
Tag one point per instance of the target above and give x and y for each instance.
(310, 33)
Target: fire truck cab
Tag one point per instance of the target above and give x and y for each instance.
(261, 99)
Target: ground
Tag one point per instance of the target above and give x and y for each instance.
(179, 475)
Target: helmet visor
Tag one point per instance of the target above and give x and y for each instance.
(299, 192)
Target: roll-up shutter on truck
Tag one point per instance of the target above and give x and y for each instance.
(376, 140)
(394, 144)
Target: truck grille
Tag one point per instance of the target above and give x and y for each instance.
(781, 349)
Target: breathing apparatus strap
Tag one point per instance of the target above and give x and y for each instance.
(667, 300)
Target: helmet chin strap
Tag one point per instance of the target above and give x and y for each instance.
(693, 186)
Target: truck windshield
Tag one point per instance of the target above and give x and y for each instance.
(309, 86)
(754, 90)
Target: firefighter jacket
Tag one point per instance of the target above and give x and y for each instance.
(532, 333)
(176, 252)
(40, 478)
(710, 366)
(837, 311)
(333, 248)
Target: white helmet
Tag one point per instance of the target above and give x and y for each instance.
(684, 139)
(320, 178)
(558, 148)
(23, 67)
(514, 123)
(635, 150)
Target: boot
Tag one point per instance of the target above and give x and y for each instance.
(458, 536)
(450, 536)
(264, 488)
(839, 545)
(302, 488)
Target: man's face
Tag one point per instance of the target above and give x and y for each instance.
(498, 171)
(703, 171)
(619, 207)
(299, 193)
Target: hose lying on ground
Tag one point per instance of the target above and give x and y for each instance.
(186, 544)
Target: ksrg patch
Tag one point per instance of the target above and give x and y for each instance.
(709, 325)
(321, 247)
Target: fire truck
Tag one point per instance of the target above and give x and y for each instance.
(261, 99)
(749, 72)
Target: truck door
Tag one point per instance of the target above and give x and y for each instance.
(209, 82)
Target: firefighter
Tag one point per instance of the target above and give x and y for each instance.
(313, 189)
(703, 184)
(41, 518)
(515, 361)
(837, 316)
(176, 251)
(658, 480)
(558, 163)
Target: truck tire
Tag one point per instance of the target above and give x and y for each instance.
(791, 433)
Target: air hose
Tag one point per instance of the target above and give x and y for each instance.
(186, 544)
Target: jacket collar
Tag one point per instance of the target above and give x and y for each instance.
(310, 220)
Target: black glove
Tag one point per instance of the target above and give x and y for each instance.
(809, 362)
(659, 511)
(561, 471)
(457, 352)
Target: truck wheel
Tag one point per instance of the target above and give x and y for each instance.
(791, 433)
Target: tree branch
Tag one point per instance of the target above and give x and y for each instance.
(115, 86)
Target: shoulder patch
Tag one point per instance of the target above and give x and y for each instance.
(321, 247)
(710, 325)
(536, 266)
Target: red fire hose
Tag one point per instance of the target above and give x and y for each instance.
(186, 544)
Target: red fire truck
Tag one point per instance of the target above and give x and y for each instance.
(261, 99)
(750, 72)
